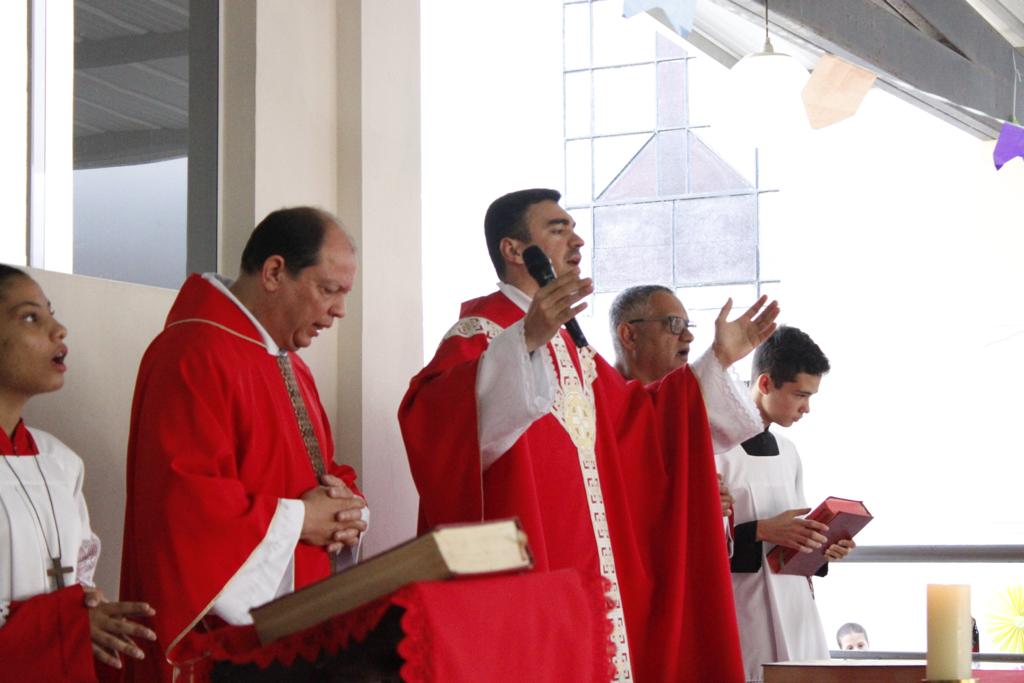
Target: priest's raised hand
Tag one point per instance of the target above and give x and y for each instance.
(734, 339)
(553, 305)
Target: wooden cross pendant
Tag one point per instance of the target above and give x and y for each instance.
(58, 572)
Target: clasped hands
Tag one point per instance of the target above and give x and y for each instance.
(334, 515)
(806, 535)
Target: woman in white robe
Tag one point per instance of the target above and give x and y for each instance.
(47, 546)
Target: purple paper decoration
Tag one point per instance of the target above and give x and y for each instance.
(1009, 145)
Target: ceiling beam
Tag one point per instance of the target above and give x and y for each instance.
(124, 148)
(971, 83)
(144, 47)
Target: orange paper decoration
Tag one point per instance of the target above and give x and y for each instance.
(835, 90)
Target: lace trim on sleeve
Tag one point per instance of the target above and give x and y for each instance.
(5, 611)
(731, 413)
(88, 557)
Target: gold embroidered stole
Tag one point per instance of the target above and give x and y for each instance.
(575, 410)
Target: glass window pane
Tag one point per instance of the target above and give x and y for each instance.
(709, 79)
(738, 154)
(595, 325)
(774, 216)
(131, 134)
(890, 599)
(585, 229)
(672, 165)
(578, 173)
(624, 99)
(672, 94)
(616, 269)
(716, 240)
(612, 155)
(709, 300)
(618, 40)
(631, 225)
(577, 104)
(709, 172)
(637, 179)
(147, 219)
(668, 48)
(577, 36)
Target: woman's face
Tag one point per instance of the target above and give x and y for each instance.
(32, 348)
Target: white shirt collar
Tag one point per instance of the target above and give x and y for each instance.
(221, 284)
(516, 295)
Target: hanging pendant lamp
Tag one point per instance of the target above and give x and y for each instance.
(766, 90)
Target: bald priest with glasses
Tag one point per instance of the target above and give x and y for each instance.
(651, 333)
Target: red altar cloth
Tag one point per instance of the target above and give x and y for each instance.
(543, 627)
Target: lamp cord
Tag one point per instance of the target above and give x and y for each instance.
(768, 49)
(766, 21)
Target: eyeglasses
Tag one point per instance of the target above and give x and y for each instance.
(674, 323)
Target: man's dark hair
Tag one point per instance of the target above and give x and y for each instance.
(630, 304)
(506, 217)
(8, 273)
(294, 234)
(785, 354)
(850, 628)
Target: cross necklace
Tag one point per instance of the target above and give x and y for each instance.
(56, 571)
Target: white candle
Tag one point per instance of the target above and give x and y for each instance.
(949, 632)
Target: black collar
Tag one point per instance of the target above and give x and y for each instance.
(761, 444)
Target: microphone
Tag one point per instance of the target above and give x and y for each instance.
(539, 266)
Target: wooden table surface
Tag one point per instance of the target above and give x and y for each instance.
(871, 671)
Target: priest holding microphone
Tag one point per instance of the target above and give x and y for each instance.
(515, 417)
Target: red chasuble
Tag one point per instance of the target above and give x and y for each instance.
(46, 640)
(214, 444)
(654, 459)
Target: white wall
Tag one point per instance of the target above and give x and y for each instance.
(379, 185)
(329, 116)
(142, 207)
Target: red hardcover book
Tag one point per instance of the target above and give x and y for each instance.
(844, 518)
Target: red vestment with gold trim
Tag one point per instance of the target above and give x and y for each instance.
(653, 454)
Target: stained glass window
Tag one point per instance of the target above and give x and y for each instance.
(666, 207)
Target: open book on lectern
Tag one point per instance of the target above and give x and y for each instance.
(445, 552)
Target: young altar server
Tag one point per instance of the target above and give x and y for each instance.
(54, 623)
(777, 616)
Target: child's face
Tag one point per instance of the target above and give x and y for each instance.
(786, 404)
(32, 348)
(853, 641)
